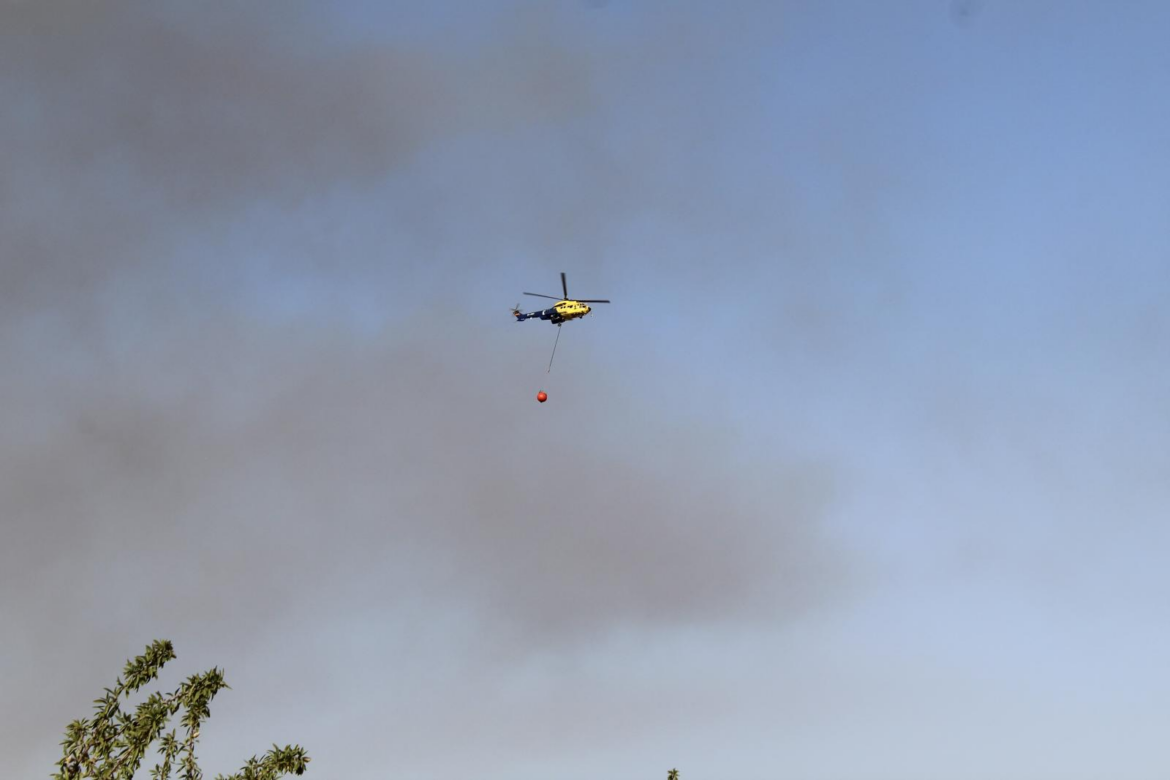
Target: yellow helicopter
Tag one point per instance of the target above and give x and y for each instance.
(563, 311)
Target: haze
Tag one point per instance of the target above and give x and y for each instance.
(864, 473)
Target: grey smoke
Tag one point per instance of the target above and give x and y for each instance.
(187, 452)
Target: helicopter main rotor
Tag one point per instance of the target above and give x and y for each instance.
(565, 297)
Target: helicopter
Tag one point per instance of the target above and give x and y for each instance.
(563, 311)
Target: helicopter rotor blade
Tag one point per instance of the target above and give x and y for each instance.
(564, 286)
(538, 295)
(591, 300)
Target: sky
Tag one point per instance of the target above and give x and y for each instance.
(863, 475)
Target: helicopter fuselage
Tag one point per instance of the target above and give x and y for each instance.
(563, 311)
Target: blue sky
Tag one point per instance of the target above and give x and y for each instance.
(863, 474)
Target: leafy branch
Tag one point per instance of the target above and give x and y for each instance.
(113, 743)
